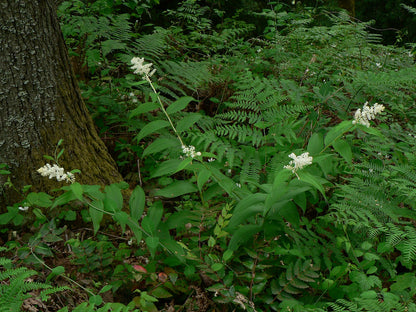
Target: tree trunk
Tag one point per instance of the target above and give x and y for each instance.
(40, 103)
(349, 5)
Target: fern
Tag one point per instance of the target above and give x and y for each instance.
(16, 286)
(295, 279)
(372, 301)
(151, 46)
(409, 8)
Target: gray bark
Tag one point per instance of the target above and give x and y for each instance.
(40, 102)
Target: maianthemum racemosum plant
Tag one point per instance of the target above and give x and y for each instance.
(276, 201)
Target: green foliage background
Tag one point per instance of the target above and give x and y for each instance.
(231, 229)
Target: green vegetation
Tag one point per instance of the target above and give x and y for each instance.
(215, 213)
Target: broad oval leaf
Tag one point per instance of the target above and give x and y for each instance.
(316, 144)
(344, 149)
(168, 167)
(143, 108)
(136, 203)
(159, 145)
(96, 213)
(151, 127)
(187, 122)
(247, 207)
(242, 235)
(179, 104)
(76, 188)
(176, 189)
(337, 131)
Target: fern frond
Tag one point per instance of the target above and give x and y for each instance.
(15, 285)
(294, 280)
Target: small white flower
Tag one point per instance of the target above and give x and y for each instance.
(379, 65)
(131, 94)
(189, 151)
(238, 185)
(25, 208)
(56, 172)
(211, 159)
(142, 69)
(364, 115)
(298, 162)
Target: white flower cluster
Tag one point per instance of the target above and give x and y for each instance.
(363, 116)
(298, 162)
(189, 151)
(142, 69)
(56, 172)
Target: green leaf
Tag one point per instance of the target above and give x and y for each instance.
(137, 231)
(227, 255)
(315, 181)
(202, 177)
(95, 300)
(64, 199)
(109, 45)
(344, 149)
(404, 281)
(217, 266)
(113, 197)
(70, 215)
(278, 189)
(10, 215)
(187, 122)
(39, 199)
(177, 188)
(179, 104)
(161, 292)
(168, 167)
(286, 209)
(316, 144)
(60, 153)
(44, 249)
(143, 108)
(337, 131)
(227, 184)
(159, 145)
(136, 203)
(48, 157)
(122, 218)
(105, 289)
(184, 163)
(152, 219)
(96, 213)
(152, 242)
(76, 188)
(246, 208)
(242, 235)
(55, 272)
(371, 130)
(150, 128)
(155, 213)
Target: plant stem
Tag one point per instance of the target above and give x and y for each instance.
(163, 109)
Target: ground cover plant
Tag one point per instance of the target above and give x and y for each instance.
(264, 171)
